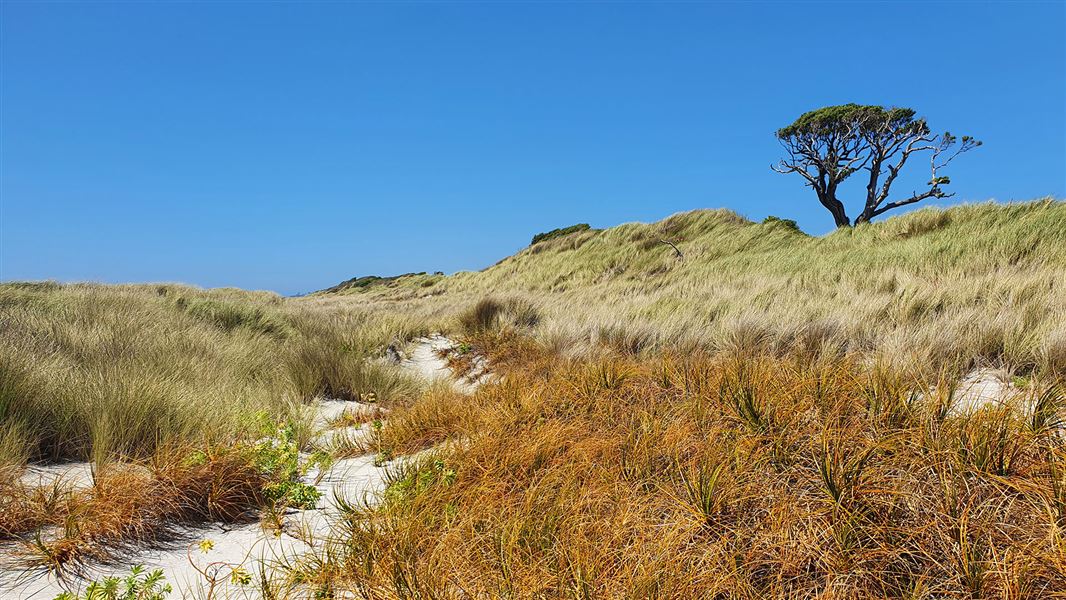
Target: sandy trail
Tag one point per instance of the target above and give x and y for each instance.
(353, 479)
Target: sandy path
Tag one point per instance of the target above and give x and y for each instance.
(246, 545)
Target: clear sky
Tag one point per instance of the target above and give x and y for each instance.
(290, 146)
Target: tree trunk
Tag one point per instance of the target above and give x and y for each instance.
(864, 217)
(835, 208)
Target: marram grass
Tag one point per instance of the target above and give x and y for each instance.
(92, 371)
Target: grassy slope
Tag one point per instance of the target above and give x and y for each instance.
(976, 282)
(611, 491)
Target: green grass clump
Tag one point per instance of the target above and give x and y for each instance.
(231, 315)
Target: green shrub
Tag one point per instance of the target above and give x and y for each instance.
(787, 223)
(554, 233)
(278, 459)
(138, 585)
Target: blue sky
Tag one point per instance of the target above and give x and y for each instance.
(290, 146)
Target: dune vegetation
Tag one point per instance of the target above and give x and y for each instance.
(165, 389)
(687, 475)
(699, 407)
(971, 284)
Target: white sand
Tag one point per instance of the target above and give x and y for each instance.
(981, 388)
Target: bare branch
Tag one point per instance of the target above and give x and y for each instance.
(933, 192)
(677, 252)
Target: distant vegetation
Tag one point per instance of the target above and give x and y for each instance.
(788, 223)
(368, 281)
(554, 233)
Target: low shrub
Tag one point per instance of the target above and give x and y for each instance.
(560, 232)
(138, 585)
(789, 224)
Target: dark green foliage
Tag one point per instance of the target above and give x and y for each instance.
(358, 282)
(858, 118)
(368, 281)
(555, 233)
(787, 223)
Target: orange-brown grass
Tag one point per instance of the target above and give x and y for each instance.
(25, 508)
(710, 477)
(129, 504)
(436, 417)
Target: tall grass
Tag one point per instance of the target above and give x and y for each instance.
(90, 371)
(965, 286)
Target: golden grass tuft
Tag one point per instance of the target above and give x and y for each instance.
(128, 504)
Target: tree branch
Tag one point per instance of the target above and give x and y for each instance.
(934, 192)
(677, 252)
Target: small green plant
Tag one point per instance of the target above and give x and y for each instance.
(138, 585)
(278, 459)
(240, 576)
(740, 395)
(382, 458)
(416, 479)
(841, 474)
(214, 573)
(704, 490)
(296, 494)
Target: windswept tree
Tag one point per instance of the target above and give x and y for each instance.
(828, 145)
